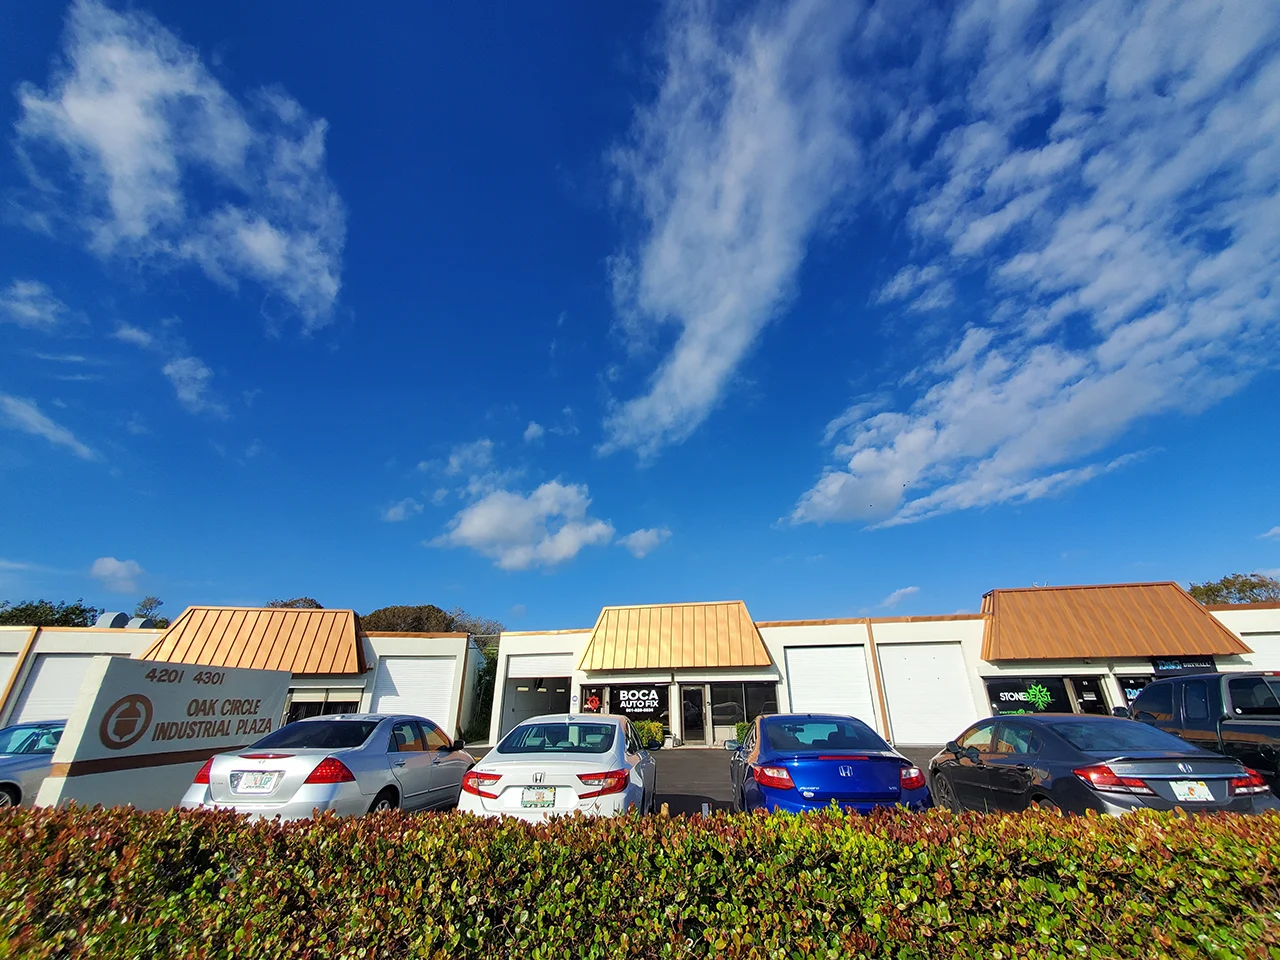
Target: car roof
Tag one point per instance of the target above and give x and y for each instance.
(810, 716)
(1048, 719)
(360, 716)
(613, 718)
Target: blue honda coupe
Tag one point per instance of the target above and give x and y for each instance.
(803, 762)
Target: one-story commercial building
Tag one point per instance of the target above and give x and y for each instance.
(700, 668)
(337, 666)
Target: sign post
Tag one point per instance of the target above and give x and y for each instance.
(142, 728)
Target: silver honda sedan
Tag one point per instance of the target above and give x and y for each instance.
(348, 764)
(26, 756)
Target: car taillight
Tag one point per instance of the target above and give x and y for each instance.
(777, 777)
(912, 778)
(1102, 777)
(202, 775)
(330, 770)
(473, 781)
(615, 781)
(1250, 783)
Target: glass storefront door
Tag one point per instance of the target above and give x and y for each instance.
(693, 706)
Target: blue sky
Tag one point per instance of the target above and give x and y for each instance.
(839, 309)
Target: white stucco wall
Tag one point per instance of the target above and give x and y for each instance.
(1259, 629)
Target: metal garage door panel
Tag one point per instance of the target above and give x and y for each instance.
(830, 680)
(7, 662)
(927, 689)
(52, 687)
(536, 665)
(418, 685)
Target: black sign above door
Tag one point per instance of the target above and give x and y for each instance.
(1169, 666)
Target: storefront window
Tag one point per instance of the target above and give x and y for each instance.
(731, 703)
(1029, 695)
(761, 698)
(592, 699)
(641, 701)
(1089, 695)
(1133, 686)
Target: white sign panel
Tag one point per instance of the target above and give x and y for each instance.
(142, 728)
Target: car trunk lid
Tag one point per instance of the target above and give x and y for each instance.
(853, 776)
(1192, 780)
(549, 783)
(263, 776)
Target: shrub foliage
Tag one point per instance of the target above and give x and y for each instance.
(116, 883)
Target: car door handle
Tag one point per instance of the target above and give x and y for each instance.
(1022, 767)
(397, 763)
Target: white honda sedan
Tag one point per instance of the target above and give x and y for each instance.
(559, 764)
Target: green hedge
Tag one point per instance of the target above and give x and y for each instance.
(78, 883)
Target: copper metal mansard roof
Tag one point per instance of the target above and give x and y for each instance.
(666, 636)
(1107, 620)
(267, 638)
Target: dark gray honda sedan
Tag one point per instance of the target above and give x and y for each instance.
(1077, 762)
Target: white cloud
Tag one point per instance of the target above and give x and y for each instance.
(517, 531)
(16, 565)
(644, 541)
(167, 165)
(925, 287)
(730, 169)
(135, 336)
(1109, 181)
(895, 598)
(190, 378)
(118, 576)
(470, 457)
(533, 432)
(406, 508)
(29, 303)
(20, 414)
(1273, 532)
(439, 496)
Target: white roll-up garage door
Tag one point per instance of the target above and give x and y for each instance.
(926, 686)
(830, 680)
(7, 662)
(419, 685)
(536, 665)
(52, 687)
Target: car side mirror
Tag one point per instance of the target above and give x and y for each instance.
(457, 744)
(952, 747)
(732, 745)
(1120, 712)
(653, 744)
(971, 753)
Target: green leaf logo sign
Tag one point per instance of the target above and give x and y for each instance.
(1039, 696)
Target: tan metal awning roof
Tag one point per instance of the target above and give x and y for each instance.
(665, 636)
(267, 638)
(1107, 620)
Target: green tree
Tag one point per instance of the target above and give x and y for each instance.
(476, 625)
(1238, 588)
(300, 603)
(426, 618)
(46, 613)
(147, 607)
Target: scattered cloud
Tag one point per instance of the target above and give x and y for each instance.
(533, 432)
(118, 576)
(645, 541)
(190, 378)
(62, 358)
(1106, 179)
(406, 508)
(439, 496)
(16, 565)
(895, 598)
(470, 457)
(31, 304)
(136, 425)
(24, 415)
(924, 288)
(730, 169)
(139, 148)
(134, 335)
(1274, 532)
(519, 610)
(545, 527)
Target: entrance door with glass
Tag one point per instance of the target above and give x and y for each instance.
(693, 715)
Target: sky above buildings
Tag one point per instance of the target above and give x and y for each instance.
(836, 308)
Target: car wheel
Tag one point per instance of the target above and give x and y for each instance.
(1044, 803)
(8, 797)
(945, 794)
(386, 800)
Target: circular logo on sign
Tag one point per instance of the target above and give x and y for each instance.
(125, 722)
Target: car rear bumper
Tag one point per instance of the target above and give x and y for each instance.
(342, 799)
(777, 801)
(610, 806)
(1116, 805)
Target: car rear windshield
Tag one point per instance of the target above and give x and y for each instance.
(29, 739)
(1116, 737)
(831, 735)
(324, 734)
(559, 738)
(1255, 696)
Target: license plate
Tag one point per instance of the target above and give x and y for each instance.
(1191, 790)
(538, 797)
(256, 781)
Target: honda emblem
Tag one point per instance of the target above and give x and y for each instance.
(539, 777)
(846, 771)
